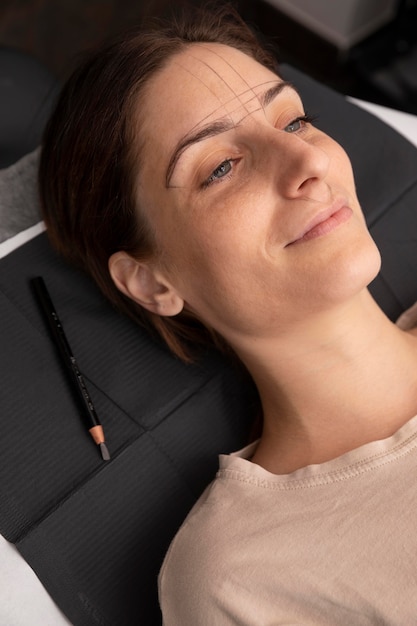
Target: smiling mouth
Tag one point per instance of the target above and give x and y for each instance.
(324, 224)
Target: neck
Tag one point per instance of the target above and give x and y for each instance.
(331, 383)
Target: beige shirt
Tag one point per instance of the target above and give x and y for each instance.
(334, 543)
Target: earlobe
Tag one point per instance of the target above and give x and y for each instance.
(145, 284)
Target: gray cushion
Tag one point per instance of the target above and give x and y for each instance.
(19, 207)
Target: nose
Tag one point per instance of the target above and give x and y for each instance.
(302, 166)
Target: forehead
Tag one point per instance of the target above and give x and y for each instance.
(204, 82)
(218, 71)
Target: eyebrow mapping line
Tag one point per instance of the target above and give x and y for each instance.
(216, 73)
(242, 78)
(218, 127)
(238, 96)
(243, 93)
(264, 99)
(227, 102)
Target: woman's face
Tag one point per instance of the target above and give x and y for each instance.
(254, 208)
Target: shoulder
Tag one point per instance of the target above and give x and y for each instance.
(194, 580)
(214, 571)
(200, 536)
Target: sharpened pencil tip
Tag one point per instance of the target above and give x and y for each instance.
(105, 454)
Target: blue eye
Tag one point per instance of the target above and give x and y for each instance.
(298, 124)
(222, 170)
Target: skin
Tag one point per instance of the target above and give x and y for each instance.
(263, 239)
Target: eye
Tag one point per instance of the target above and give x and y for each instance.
(298, 124)
(220, 172)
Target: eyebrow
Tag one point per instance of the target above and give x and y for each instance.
(218, 127)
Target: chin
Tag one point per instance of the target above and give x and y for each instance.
(356, 270)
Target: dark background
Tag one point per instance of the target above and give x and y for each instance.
(383, 68)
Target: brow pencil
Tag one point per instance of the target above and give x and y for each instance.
(57, 333)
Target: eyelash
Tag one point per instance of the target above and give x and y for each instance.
(304, 119)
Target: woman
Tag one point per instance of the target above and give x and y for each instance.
(185, 175)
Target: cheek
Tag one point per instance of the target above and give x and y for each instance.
(211, 263)
(340, 163)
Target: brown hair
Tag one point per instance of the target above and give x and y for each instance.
(89, 152)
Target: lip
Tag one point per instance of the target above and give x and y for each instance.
(324, 222)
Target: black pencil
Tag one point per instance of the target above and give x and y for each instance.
(58, 335)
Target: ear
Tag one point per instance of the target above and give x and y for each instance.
(145, 284)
